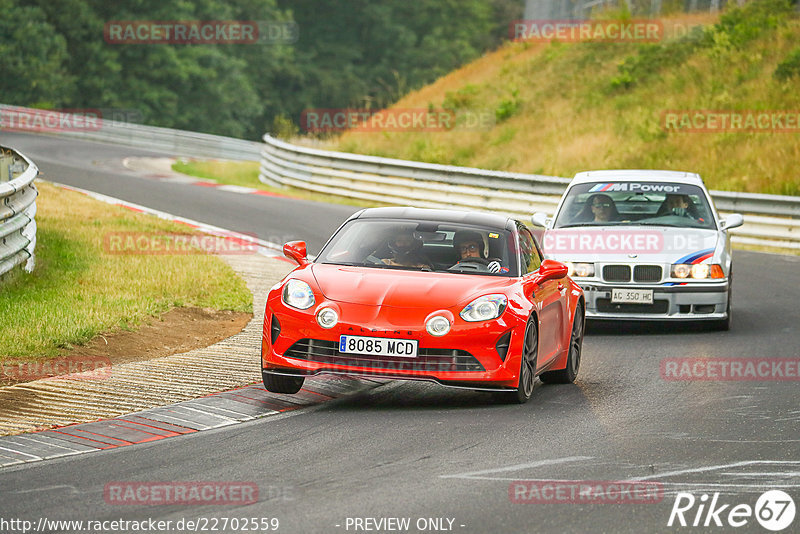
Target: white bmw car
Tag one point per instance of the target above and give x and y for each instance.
(644, 245)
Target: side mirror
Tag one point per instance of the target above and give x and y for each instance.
(552, 269)
(732, 221)
(296, 250)
(540, 219)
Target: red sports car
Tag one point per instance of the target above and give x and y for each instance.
(463, 299)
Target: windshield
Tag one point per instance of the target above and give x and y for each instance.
(422, 246)
(635, 204)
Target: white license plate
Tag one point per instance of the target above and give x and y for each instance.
(632, 296)
(378, 346)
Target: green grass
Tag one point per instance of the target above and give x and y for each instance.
(245, 173)
(561, 108)
(79, 290)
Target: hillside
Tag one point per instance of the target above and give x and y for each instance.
(559, 108)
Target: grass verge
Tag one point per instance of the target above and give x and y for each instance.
(79, 290)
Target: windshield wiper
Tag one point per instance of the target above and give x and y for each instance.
(593, 223)
(344, 263)
(665, 224)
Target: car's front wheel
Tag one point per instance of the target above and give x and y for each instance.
(725, 324)
(282, 383)
(568, 374)
(527, 371)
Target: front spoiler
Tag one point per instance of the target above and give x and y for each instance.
(304, 374)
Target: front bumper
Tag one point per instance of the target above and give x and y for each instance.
(689, 302)
(466, 357)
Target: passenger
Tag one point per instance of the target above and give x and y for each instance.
(406, 251)
(599, 208)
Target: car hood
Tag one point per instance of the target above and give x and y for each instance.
(403, 289)
(648, 243)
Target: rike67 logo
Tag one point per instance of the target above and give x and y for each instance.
(774, 510)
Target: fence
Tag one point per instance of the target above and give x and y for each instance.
(17, 211)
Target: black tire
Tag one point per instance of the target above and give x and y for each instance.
(281, 383)
(527, 371)
(568, 374)
(723, 325)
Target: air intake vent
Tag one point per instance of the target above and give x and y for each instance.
(275, 329)
(617, 273)
(647, 273)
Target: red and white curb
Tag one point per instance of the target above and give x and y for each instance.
(168, 175)
(214, 411)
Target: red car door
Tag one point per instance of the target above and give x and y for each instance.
(549, 298)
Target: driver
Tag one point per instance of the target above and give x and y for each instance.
(471, 249)
(682, 206)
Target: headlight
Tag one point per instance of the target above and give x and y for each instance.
(680, 270)
(698, 271)
(583, 270)
(484, 308)
(327, 317)
(298, 294)
(437, 326)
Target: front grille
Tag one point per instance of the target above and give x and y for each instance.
(322, 351)
(657, 307)
(617, 273)
(647, 273)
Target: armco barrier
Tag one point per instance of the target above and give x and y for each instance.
(769, 220)
(157, 139)
(772, 220)
(17, 211)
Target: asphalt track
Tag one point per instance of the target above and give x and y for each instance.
(418, 451)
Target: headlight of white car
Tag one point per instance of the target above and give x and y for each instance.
(484, 308)
(698, 271)
(298, 294)
(582, 270)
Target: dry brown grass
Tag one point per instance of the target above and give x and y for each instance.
(570, 117)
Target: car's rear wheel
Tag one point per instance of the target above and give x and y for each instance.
(527, 371)
(568, 374)
(281, 383)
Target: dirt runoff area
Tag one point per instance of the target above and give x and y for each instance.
(179, 330)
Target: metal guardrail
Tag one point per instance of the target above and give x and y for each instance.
(17, 211)
(769, 222)
(155, 138)
(772, 219)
